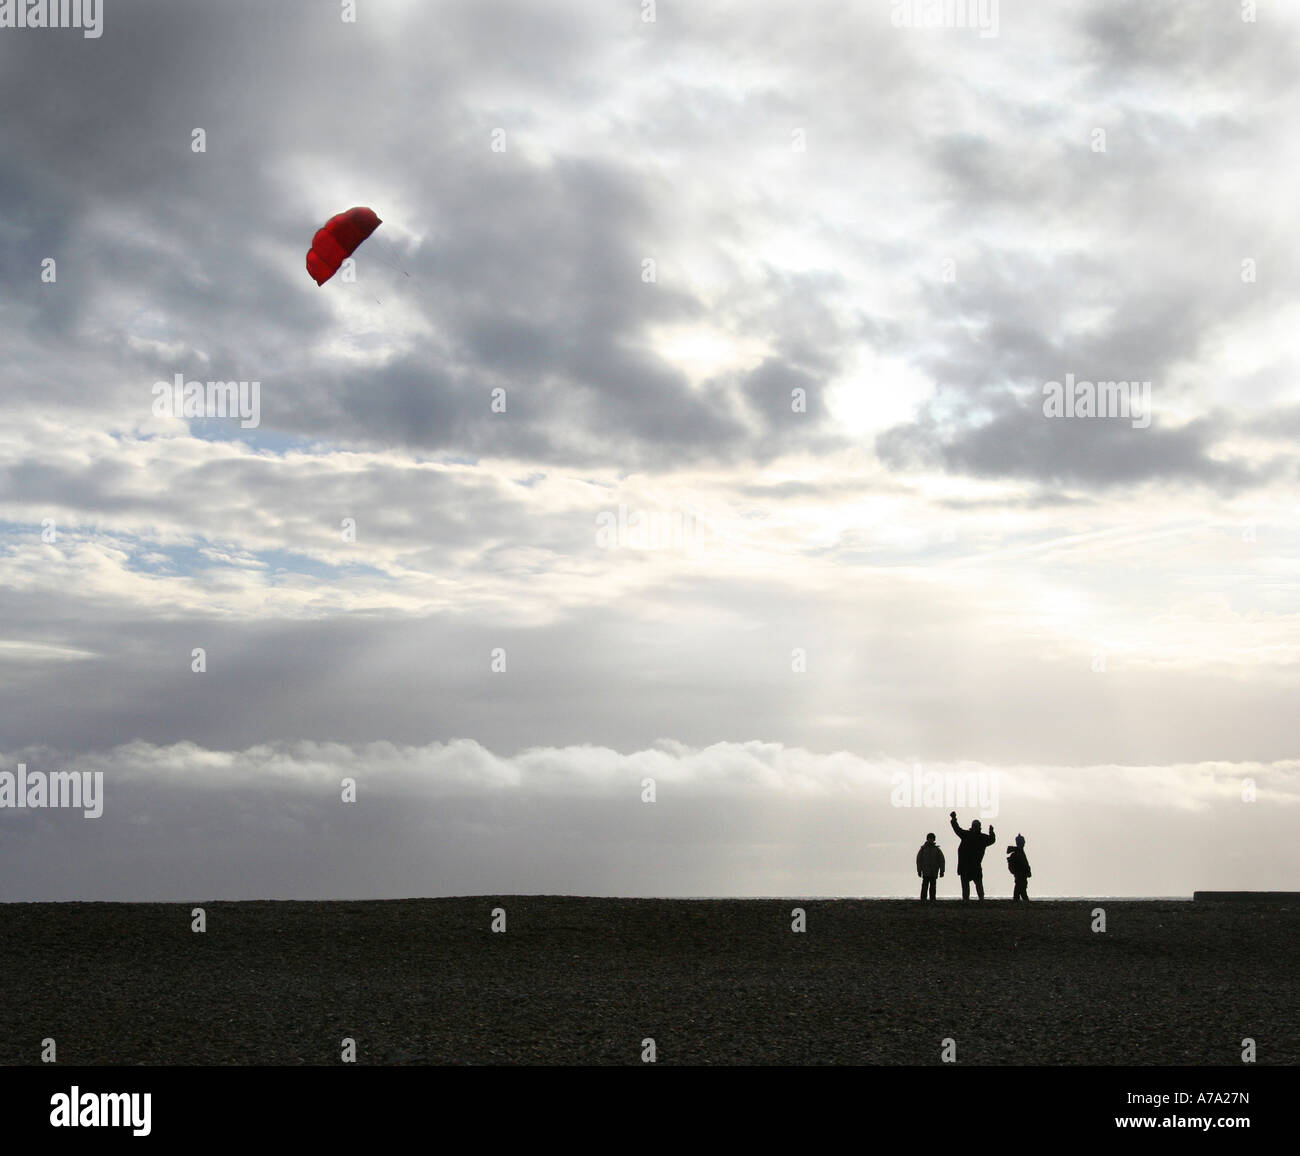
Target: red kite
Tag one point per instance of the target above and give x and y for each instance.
(337, 240)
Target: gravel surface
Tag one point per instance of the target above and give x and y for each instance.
(585, 980)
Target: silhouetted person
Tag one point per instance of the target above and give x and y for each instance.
(1018, 865)
(929, 865)
(970, 855)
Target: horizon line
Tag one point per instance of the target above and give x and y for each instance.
(657, 898)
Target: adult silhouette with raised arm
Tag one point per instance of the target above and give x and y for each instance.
(970, 855)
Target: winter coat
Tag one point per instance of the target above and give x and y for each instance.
(970, 855)
(1018, 863)
(929, 859)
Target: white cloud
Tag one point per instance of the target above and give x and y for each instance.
(444, 812)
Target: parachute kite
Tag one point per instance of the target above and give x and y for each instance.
(337, 240)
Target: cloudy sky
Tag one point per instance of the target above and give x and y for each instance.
(683, 434)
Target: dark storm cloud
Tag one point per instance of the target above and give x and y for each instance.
(1191, 42)
(1001, 334)
(89, 488)
(1165, 235)
(533, 274)
(1020, 442)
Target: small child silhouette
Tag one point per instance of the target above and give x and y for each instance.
(929, 864)
(1018, 865)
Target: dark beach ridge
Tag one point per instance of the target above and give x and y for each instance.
(576, 980)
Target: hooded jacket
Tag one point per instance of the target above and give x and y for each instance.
(929, 859)
(970, 855)
(1018, 862)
